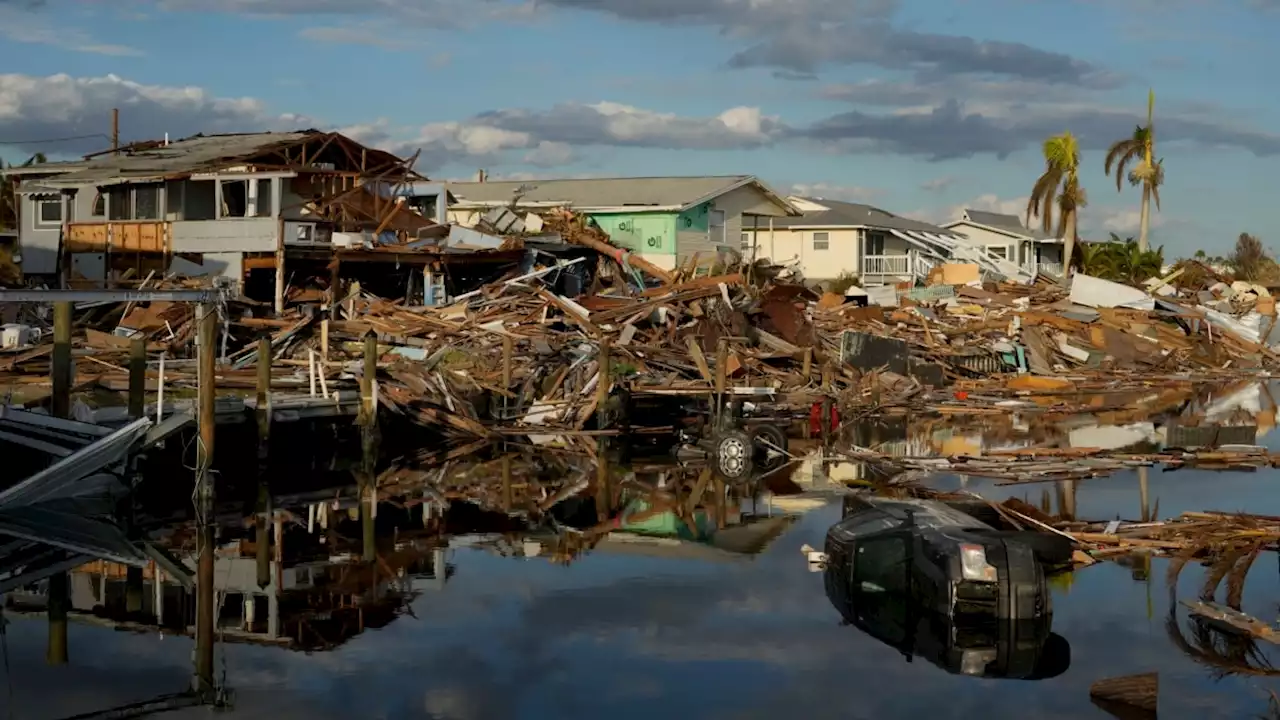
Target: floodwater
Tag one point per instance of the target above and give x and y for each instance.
(705, 635)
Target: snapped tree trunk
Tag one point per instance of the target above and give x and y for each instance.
(1145, 226)
(1068, 246)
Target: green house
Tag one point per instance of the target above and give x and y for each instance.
(665, 220)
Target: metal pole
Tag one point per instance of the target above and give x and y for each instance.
(205, 498)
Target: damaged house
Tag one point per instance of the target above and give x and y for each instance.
(226, 205)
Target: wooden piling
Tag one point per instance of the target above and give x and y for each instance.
(207, 386)
(59, 600)
(722, 377)
(369, 447)
(508, 492)
(137, 377)
(604, 383)
(508, 368)
(262, 538)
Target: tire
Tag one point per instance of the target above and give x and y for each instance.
(733, 454)
(774, 436)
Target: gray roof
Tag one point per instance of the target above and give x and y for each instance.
(1008, 223)
(638, 192)
(201, 153)
(847, 214)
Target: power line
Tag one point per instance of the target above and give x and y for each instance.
(55, 140)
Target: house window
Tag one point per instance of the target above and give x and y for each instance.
(146, 202)
(119, 204)
(99, 208)
(875, 243)
(1000, 251)
(746, 241)
(262, 200)
(234, 199)
(49, 211)
(821, 240)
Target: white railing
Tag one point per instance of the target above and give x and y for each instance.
(922, 265)
(886, 265)
(1053, 268)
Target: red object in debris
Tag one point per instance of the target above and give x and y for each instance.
(815, 419)
(962, 395)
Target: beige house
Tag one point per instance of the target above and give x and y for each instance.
(832, 238)
(665, 220)
(1005, 236)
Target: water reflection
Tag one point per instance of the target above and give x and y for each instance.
(503, 585)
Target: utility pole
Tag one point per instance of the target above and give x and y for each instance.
(115, 129)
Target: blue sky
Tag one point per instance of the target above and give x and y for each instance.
(919, 106)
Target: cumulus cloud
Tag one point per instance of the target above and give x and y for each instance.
(831, 191)
(937, 184)
(36, 109)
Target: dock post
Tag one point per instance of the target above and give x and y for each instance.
(59, 599)
(508, 367)
(508, 493)
(722, 376)
(133, 583)
(206, 353)
(369, 447)
(262, 508)
(137, 377)
(603, 386)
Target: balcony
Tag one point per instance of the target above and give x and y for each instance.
(120, 236)
(886, 265)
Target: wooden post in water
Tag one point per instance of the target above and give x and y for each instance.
(59, 600)
(508, 370)
(206, 354)
(827, 405)
(369, 446)
(604, 384)
(133, 584)
(722, 377)
(137, 378)
(508, 493)
(262, 540)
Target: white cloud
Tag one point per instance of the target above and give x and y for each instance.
(830, 191)
(937, 184)
(989, 202)
(61, 106)
(20, 25)
(551, 154)
(367, 34)
(1123, 222)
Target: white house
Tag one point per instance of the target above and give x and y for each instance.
(1005, 236)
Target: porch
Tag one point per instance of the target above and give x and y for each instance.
(910, 265)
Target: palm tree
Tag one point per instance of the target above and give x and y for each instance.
(1149, 173)
(1060, 185)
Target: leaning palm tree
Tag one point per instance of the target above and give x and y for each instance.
(1148, 172)
(1059, 185)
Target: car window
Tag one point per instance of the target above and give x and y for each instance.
(880, 565)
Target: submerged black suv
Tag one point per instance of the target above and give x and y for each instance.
(945, 558)
(933, 580)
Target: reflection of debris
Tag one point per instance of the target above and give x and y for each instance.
(1130, 696)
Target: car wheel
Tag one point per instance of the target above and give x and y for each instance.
(733, 454)
(773, 437)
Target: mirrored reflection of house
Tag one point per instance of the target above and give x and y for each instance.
(310, 605)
